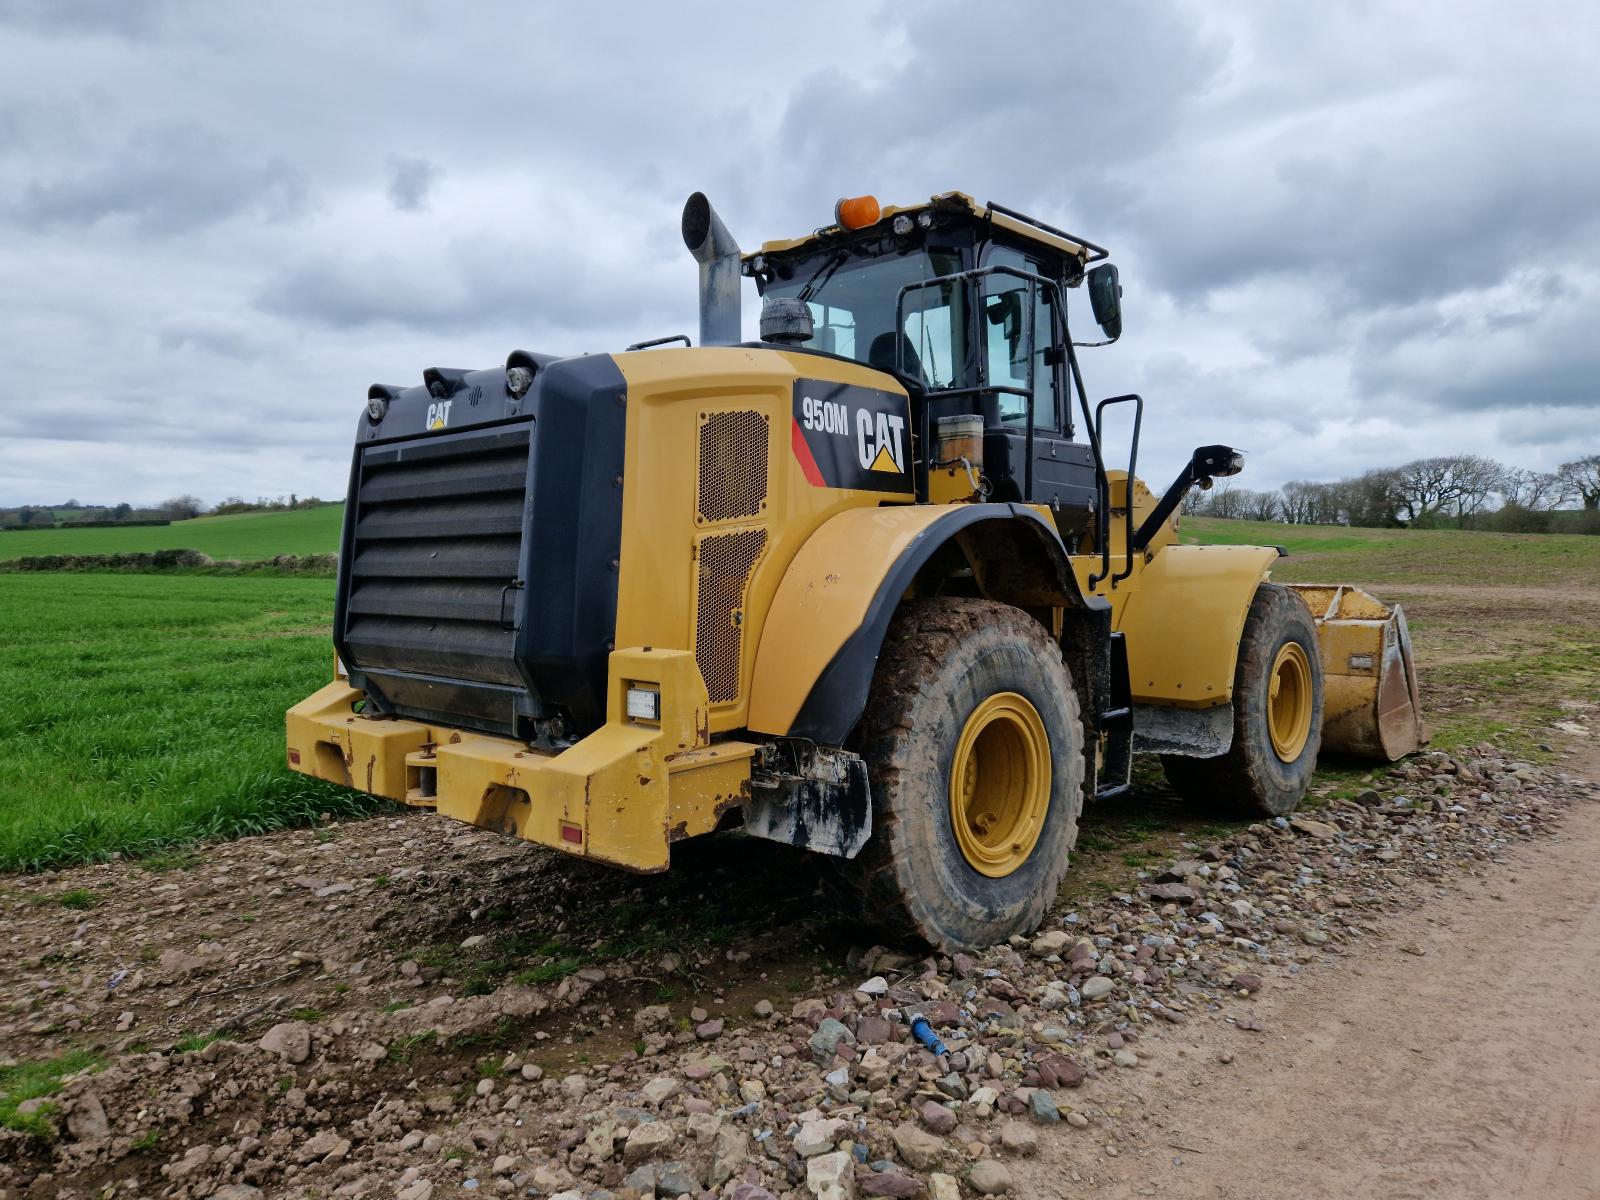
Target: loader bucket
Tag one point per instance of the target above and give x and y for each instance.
(1370, 707)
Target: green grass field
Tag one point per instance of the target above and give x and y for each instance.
(143, 711)
(244, 536)
(1335, 553)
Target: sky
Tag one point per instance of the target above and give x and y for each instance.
(1348, 235)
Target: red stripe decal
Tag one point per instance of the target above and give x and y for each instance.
(802, 452)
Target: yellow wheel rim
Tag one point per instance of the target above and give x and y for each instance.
(1289, 701)
(1000, 784)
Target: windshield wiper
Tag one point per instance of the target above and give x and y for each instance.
(824, 273)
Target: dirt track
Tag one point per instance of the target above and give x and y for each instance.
(1459, 1059)
(1360, 1067)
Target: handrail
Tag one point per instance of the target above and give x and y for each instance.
(1094, 253)
(661, 341)
(1133, 458)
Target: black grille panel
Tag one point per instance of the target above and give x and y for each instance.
(458, 558)
(432, 564)
(444, 526)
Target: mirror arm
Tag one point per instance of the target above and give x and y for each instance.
(1207, 463)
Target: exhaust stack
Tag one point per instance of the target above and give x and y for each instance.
(717, 253)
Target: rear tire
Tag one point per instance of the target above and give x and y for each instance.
(974, 749)
(1277, 730)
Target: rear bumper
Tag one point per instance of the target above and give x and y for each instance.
(622, 795)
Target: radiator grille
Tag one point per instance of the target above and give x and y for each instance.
(733, 465)
(434, 555)
(726, 560)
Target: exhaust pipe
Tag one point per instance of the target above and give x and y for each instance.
(717, 253)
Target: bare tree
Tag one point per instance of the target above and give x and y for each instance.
(1300, 501)
(1425, 488)
(1458, 485)
(1582, 479)
(181, 508)
(1322, 504)
(1373, 499)
(1535, 491)
(1224, 500)
(1262, 506)
(1474, 479)
(1468, 490)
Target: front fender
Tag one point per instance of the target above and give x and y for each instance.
(820, 642)
(1183, 620)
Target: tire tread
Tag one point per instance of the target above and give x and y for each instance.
(1237, 780)
(923, 636)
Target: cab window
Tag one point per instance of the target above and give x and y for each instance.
(854, 303)
(1018, 336)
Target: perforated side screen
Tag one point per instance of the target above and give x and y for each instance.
(726, 560)
(733, 465)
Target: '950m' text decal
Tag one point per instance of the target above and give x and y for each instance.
(852, 437)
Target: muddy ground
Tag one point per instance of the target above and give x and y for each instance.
(1386, 997)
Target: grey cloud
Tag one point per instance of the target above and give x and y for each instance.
(1529, 343)
(473, 283)
(1532, 300)
(1388, 169)
(176, 416)
(1568, 432)
(1382, 232)
(353, 294)
(211, 335)
(121, 18)
(410, 181)
(1033, 103)
(166, 180)
(1569, 378)
(1339, 228)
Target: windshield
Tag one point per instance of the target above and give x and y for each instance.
(852, 302)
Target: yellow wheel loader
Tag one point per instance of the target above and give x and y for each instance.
(864, 585)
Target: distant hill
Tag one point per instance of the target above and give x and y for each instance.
(251, 535)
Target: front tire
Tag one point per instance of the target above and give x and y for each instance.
(1277, 716)
(974, 748)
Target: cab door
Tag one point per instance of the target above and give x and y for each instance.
(1018, 332)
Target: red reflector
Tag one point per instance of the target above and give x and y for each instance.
(294, 757)
(571, 833)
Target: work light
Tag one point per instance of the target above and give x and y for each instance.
(644, 704)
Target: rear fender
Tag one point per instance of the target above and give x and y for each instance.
(820, 642)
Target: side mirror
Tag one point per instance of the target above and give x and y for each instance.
(1005, 310)
(1105, 297)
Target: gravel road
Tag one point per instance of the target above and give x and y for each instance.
(1458, 1059)
(1393, 994)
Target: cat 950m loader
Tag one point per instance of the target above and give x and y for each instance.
(864, 586)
